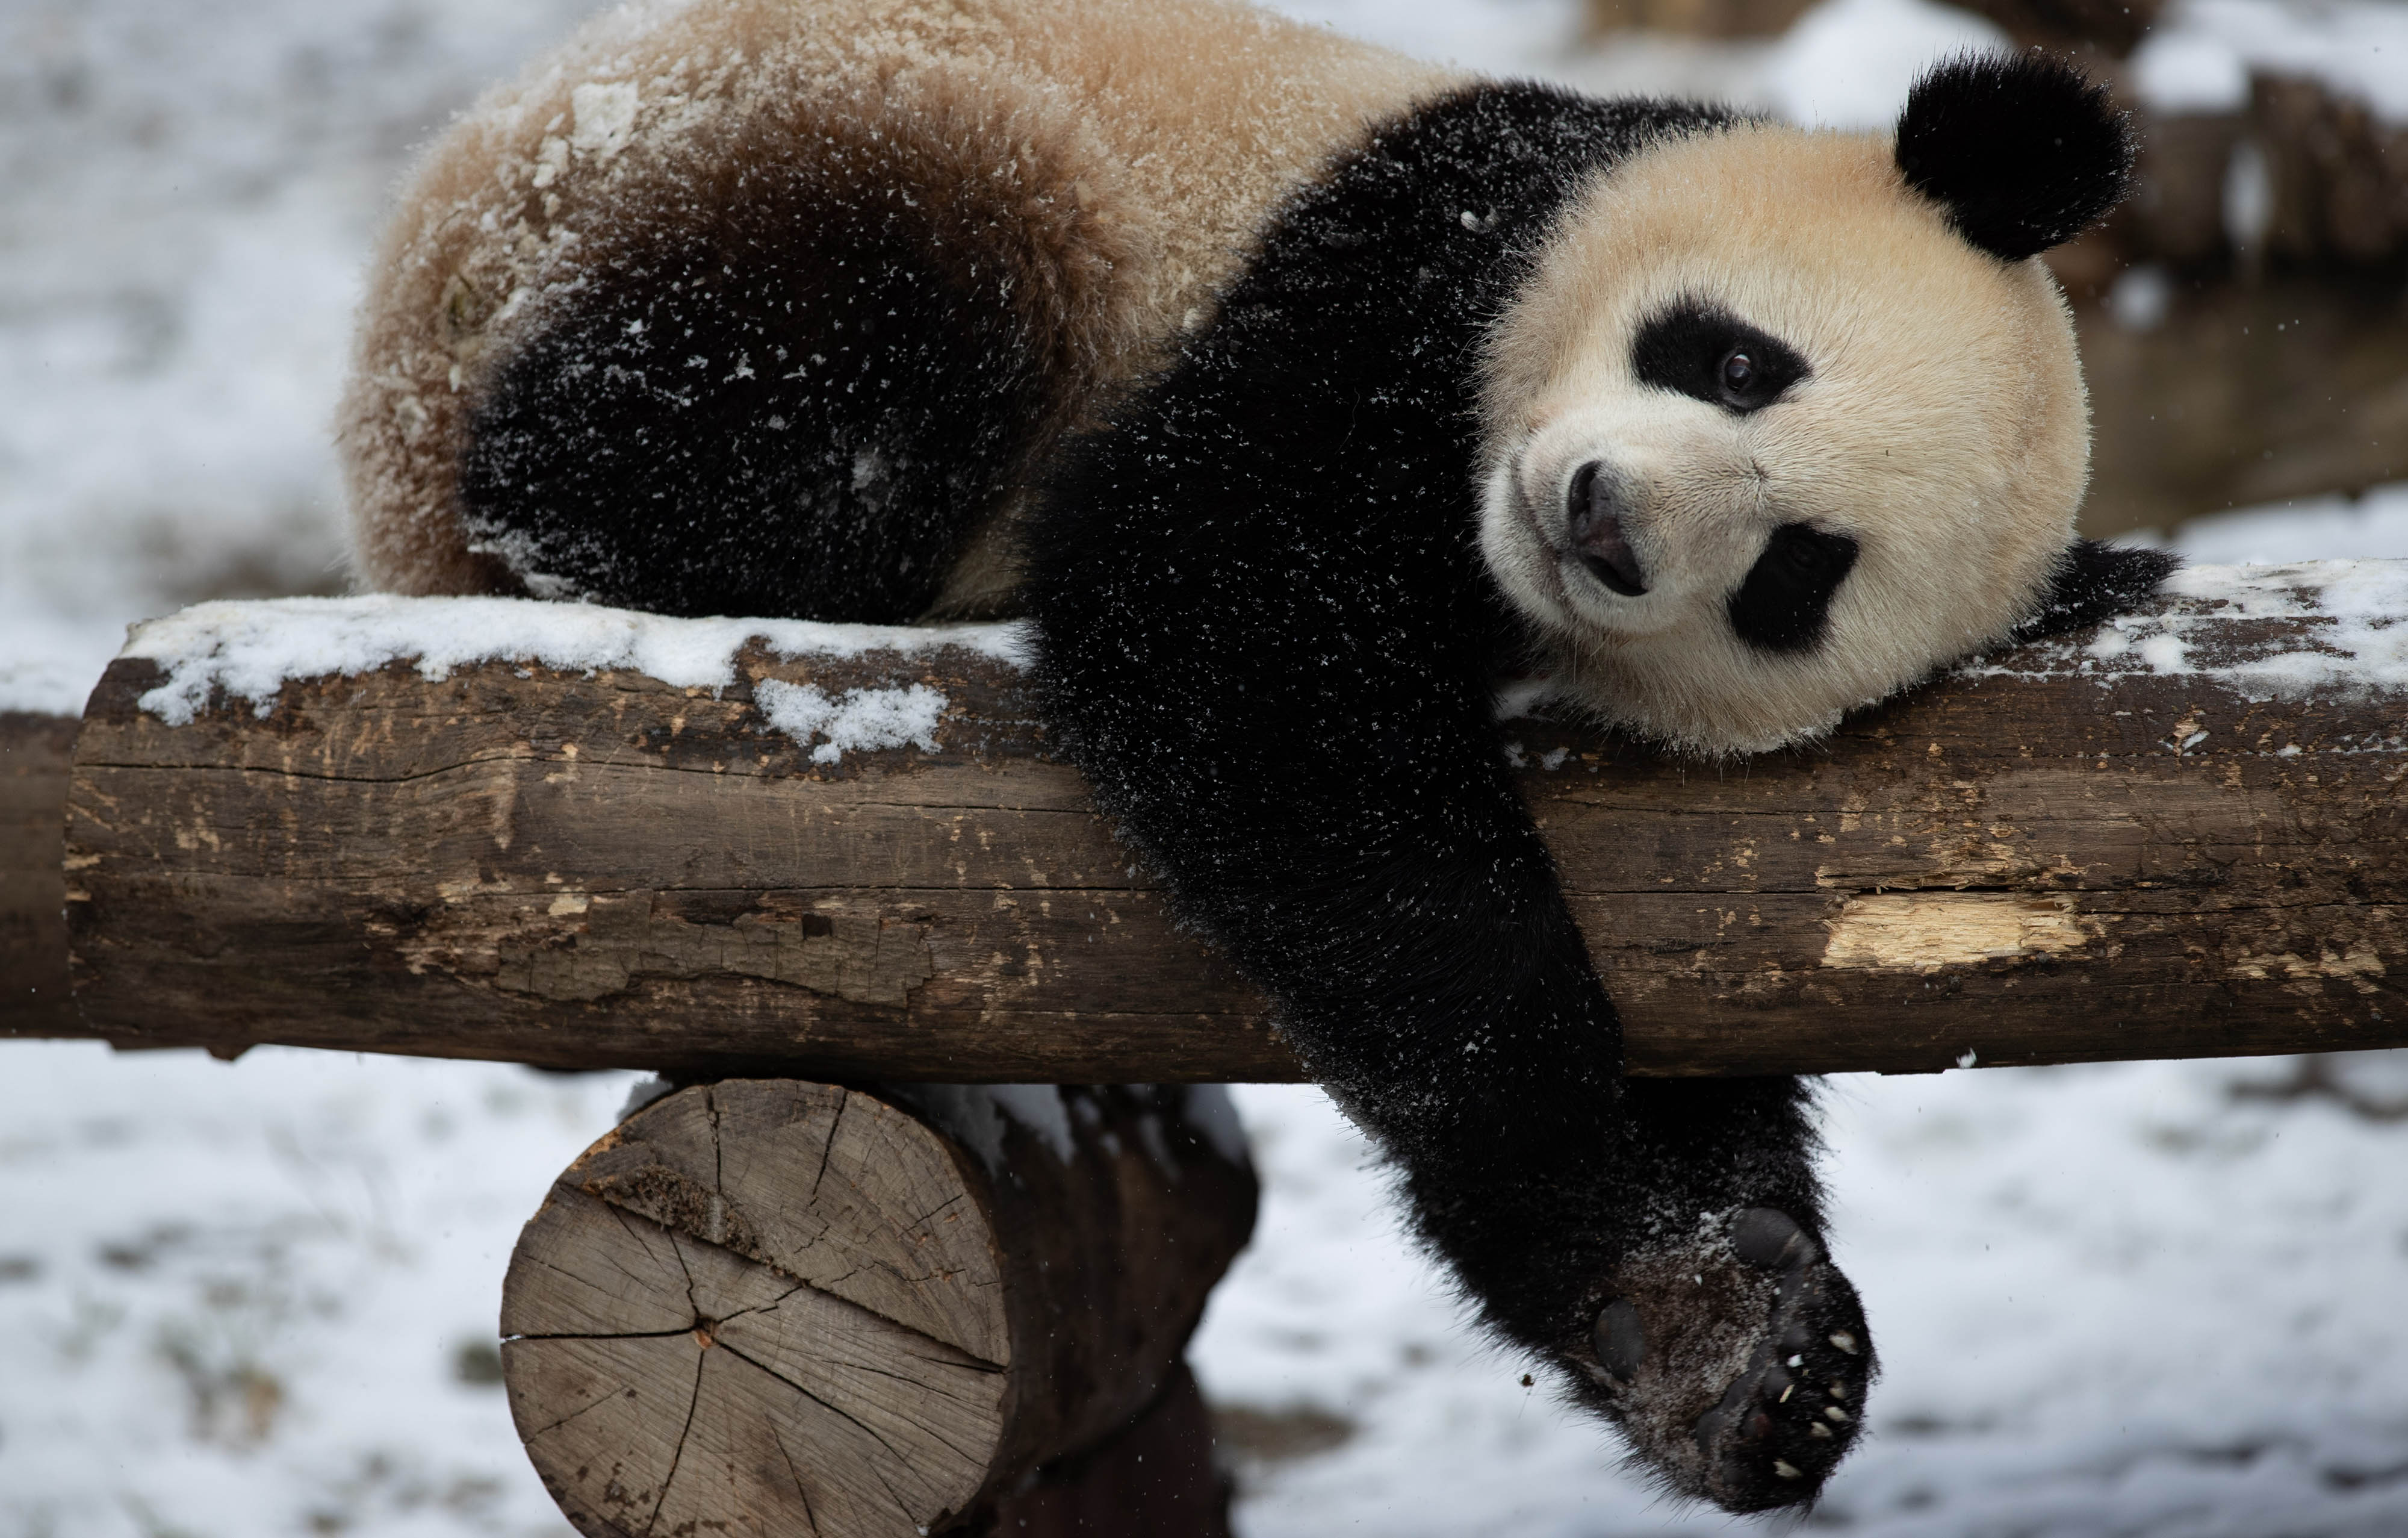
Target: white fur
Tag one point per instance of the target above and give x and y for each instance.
(1944, 426)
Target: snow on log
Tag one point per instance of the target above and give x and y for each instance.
(583, 838)
(777, 1306)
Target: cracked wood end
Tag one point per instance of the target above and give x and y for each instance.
(2183, 837)
(785, 1307)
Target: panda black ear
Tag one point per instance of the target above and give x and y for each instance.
(2022, 151)
(2094, 581)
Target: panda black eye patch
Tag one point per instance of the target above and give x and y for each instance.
(1786, 602)
(1710, 355)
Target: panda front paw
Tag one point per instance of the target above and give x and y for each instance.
(1736, 1364)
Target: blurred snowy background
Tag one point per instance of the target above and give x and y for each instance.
(252, 1300)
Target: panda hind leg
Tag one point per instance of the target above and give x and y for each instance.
(792, 394)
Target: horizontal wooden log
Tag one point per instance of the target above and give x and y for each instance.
(2182, 837)
(774, 1307)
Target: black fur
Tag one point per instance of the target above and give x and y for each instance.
(2022, 151)
(791, 399)
(1693, 347)
(2094, 581)
(1786, 602)
(1267, 639)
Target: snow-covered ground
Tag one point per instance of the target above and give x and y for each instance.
(2112, 1301)
(2157, 1299)
(251, 1300)
(187, 190)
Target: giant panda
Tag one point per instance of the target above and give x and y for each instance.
(1296, 393)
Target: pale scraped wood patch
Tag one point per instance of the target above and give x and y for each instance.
(1923, 929)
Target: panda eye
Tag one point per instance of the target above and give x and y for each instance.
(1701, 350)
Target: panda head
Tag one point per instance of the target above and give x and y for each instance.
(1783, 419)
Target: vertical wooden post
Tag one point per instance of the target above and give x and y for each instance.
(780, 1307)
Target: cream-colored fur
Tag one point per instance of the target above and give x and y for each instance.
(1143, 141)
(1944, 425)
(1134, 146)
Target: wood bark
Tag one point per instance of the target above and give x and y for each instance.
(2049, 857)
(34, 750)
(1161, 1477)
(776, 1307)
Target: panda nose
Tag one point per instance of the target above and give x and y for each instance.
(1596, 530)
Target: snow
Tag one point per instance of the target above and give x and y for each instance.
(260, 1299)
(605, 116)
(1495, 36)
(187, 194)
(2248, 195)
(2140, 297)
(857, 718)
(2364, 647)
(2355, 630)
(250, 649)
(1848, 63)
(977, 1115)
(2185, 71)
(2152, 1301)
(2126, 1300)
(2374, 526)
(2200, 55)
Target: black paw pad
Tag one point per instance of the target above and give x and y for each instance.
(1772, 1241)
(1621, 1340)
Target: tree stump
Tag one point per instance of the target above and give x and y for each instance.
(780, 1307)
